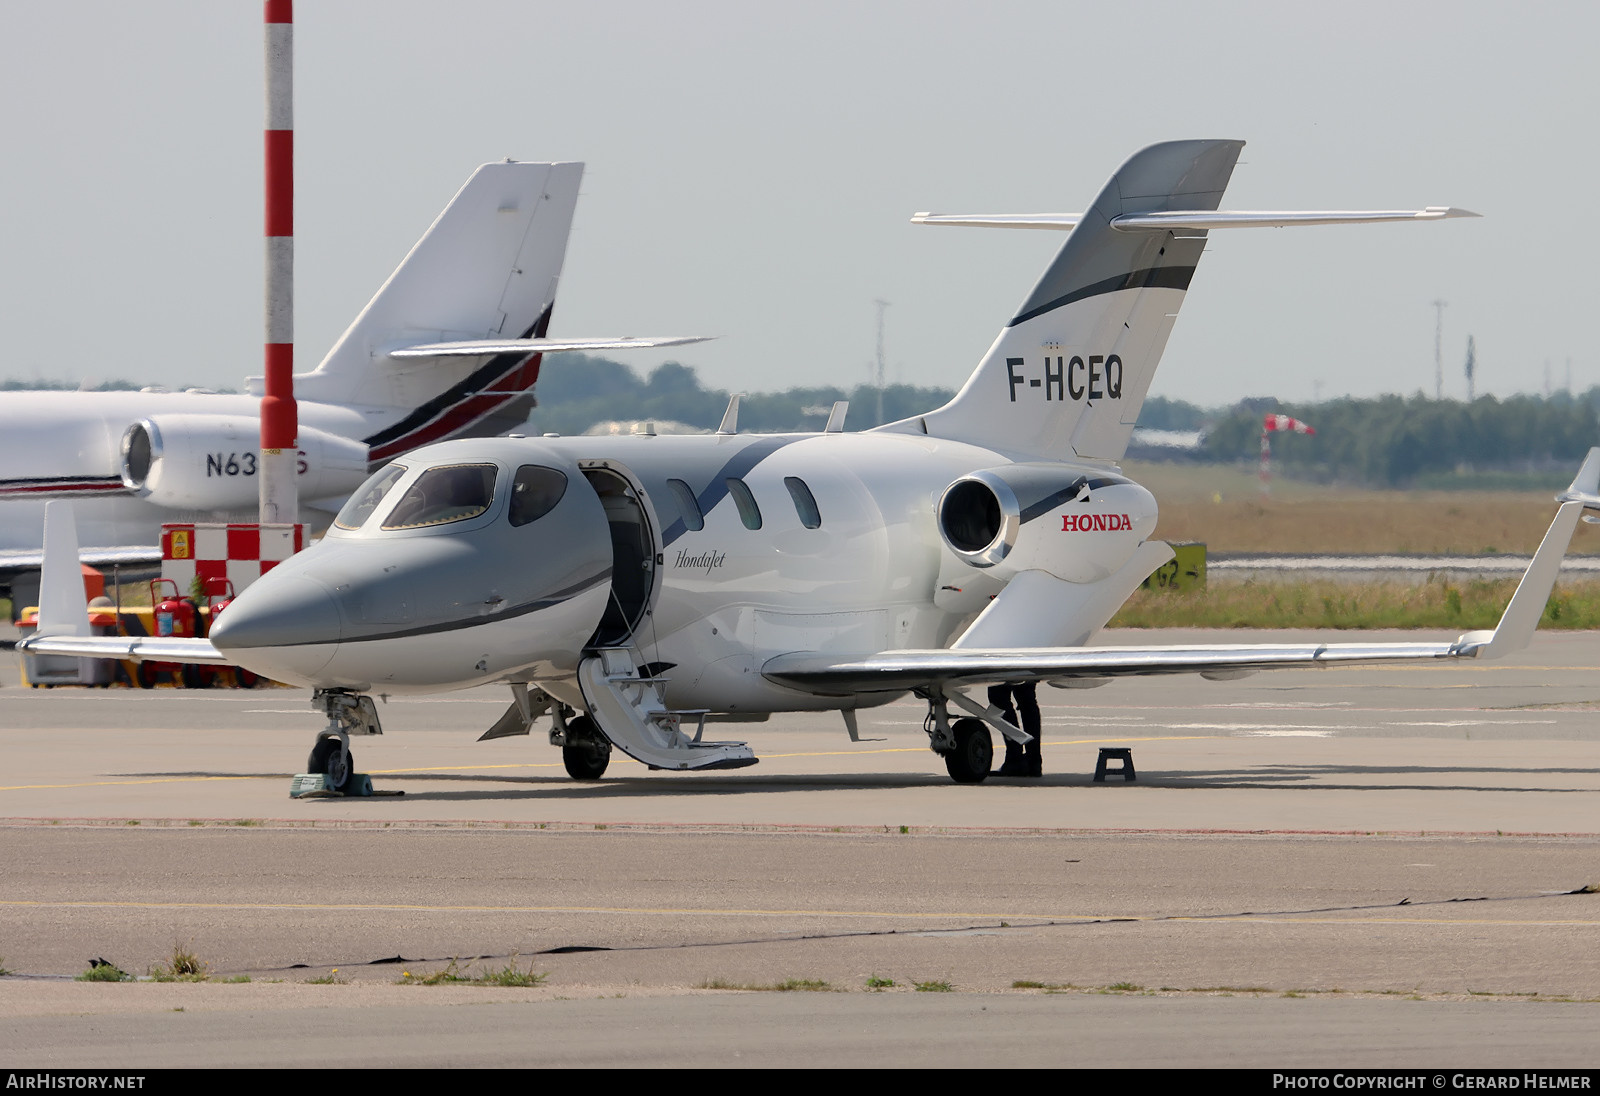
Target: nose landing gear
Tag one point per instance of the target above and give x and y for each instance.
(348, 713)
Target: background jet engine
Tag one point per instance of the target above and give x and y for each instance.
(1076, 524)
(209, 462)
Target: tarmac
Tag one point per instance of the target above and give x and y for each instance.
(1340, 868)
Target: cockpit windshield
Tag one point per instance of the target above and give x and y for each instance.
(452, 492)
(355, 512)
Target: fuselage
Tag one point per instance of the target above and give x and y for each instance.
(706, 555)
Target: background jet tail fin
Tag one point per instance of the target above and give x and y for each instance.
(63, 606)
(486, 269)
(1067, 376)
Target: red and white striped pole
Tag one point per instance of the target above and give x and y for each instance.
(280, 426)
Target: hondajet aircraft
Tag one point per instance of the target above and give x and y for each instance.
(635, 588)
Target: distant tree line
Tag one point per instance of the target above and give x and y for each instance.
(575, 391)
(1395, 441)
(67, 386)
(1388, 441)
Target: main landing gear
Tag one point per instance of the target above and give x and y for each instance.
(584, 750)
(348, 713)
(965, 745)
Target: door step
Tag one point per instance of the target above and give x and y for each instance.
(629, 710)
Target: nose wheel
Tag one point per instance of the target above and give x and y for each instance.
(333, 759)
(348, 713)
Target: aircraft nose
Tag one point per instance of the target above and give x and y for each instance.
(286, 628)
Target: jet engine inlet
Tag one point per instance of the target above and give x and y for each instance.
(979, 518)
(141, 447)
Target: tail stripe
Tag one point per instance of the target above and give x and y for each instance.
(1156, 277)
(462, 403)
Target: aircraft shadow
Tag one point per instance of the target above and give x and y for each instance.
(476, 787)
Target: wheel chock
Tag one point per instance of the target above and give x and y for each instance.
(315, 786)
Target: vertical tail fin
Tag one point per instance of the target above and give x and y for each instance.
(1068, 375)
(487, 268)
(61, 595)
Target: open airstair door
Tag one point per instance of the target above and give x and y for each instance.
(634, 549)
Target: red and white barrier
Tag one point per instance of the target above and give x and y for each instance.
(239, 553)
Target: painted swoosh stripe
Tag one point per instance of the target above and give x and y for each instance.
(509, 376)
(600, 578)
(1155, 277)
(738, 466)
(64, 486)
(1066, 494)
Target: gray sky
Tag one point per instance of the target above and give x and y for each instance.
(751, 169)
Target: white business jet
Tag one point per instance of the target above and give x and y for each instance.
(634, 588)
(449, 347)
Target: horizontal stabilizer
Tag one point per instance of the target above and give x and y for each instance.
(1197, 218)
(1060, 222)
(136, 648)
(488, 348)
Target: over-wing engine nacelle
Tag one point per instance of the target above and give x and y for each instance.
(1075, 524)
(208, 462)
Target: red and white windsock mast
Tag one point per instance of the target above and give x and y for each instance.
(1272, 424)
(280, 427)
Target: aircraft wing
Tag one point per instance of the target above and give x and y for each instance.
(28, 559)
(900, 671)
(939, 671)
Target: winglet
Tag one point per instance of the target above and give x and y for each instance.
(1586, 484)
(62, 606)
(1522, 615)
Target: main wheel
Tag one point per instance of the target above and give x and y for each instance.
(587, 752)
(969, 762)
(335, 764)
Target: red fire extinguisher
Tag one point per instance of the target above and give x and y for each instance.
(175, 615)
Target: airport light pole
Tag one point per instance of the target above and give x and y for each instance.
(280, 428)
(1438, 349)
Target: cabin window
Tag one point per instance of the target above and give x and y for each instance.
(688, 506)
(805, 504)
(449, 493)
(535, 492)
(359, 508)
(749, 512)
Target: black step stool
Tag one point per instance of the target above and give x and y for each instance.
(1115, 753)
